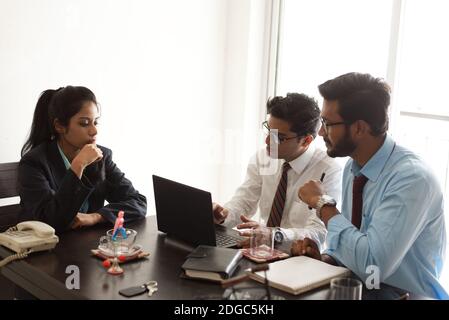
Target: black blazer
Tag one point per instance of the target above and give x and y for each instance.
(52, 194)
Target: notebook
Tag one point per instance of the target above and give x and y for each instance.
(212, 263)
(300, 274)
(185, 213)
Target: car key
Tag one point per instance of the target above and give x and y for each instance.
(151, 287)
(151, 291)
(133, 291)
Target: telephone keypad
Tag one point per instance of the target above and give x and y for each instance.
(20, 234)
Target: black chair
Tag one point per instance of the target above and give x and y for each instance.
(8, 189)
(8, 214)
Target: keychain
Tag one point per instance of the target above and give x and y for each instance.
(150, 286)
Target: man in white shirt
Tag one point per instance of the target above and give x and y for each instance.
(275, 174)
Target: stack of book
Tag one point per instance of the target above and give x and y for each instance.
(211, 263)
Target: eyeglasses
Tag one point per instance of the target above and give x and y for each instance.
(274, 134)
(326, 125)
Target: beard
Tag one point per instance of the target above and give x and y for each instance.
(343, 148)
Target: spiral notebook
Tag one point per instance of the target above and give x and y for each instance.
(300, 274)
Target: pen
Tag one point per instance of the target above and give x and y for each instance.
(322, 176)
(321, 180)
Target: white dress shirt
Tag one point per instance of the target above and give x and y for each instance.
(259, 189)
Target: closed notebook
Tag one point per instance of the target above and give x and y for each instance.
(300, 274)
(213, 263)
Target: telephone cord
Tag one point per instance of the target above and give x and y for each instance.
(13, 257)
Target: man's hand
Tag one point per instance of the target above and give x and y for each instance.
(247, 224)
(311, 192)
(309, 248)
(306, 247)
(245, 243)
(220, 213)
(86, 219)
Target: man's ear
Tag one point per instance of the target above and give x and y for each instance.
(307, 140)
(361, 128)
(59, 127)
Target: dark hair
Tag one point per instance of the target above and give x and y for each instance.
(360, 96)
(61, 104)
(299, 110)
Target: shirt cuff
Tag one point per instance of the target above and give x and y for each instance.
(289, 234)
(335, 226)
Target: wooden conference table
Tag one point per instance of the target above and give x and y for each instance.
(43, 274)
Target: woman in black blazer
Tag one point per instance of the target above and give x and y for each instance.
(64, 176)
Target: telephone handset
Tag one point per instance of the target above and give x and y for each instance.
(27, 237)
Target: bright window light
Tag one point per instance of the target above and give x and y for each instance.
(322, 39)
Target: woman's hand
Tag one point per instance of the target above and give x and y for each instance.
(86, 220)
(89, 154)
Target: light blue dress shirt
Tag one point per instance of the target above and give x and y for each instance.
(85, 205)
(402, 231)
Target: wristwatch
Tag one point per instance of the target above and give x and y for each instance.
(325, 200)
(278, 236)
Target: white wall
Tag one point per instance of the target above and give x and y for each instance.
(174, 79)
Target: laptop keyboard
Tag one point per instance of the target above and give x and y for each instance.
(226, 240)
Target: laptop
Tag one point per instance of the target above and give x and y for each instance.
(185, 213)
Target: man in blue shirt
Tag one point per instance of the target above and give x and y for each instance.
(392, 215)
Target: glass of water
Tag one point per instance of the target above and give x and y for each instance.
(345, 289)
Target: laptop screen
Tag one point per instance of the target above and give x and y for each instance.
(184, 212)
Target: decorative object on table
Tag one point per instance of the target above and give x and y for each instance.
(118, 246)
(118, 226)
(135, 253)
(114, 267)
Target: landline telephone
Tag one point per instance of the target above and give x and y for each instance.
(27, 237)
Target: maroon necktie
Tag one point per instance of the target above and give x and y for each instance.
(279, 199)
(357, 199)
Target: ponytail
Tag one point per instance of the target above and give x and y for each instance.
(61, 104)
(41, 128)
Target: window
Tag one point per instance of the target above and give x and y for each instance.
(401, 41)
(324, 38)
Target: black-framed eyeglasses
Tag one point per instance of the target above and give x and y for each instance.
(274, 134)
(326, 125)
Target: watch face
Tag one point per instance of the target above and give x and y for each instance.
(278, 237)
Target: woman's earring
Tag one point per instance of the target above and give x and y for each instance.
(52, 137)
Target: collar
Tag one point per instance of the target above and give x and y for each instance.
(64, 158)
(375, 165)
(301, 162)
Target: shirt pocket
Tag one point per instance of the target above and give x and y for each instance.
(298, 215)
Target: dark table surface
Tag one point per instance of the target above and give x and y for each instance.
(44, 275)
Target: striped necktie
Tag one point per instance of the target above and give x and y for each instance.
(279, 199)
(357, 199)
